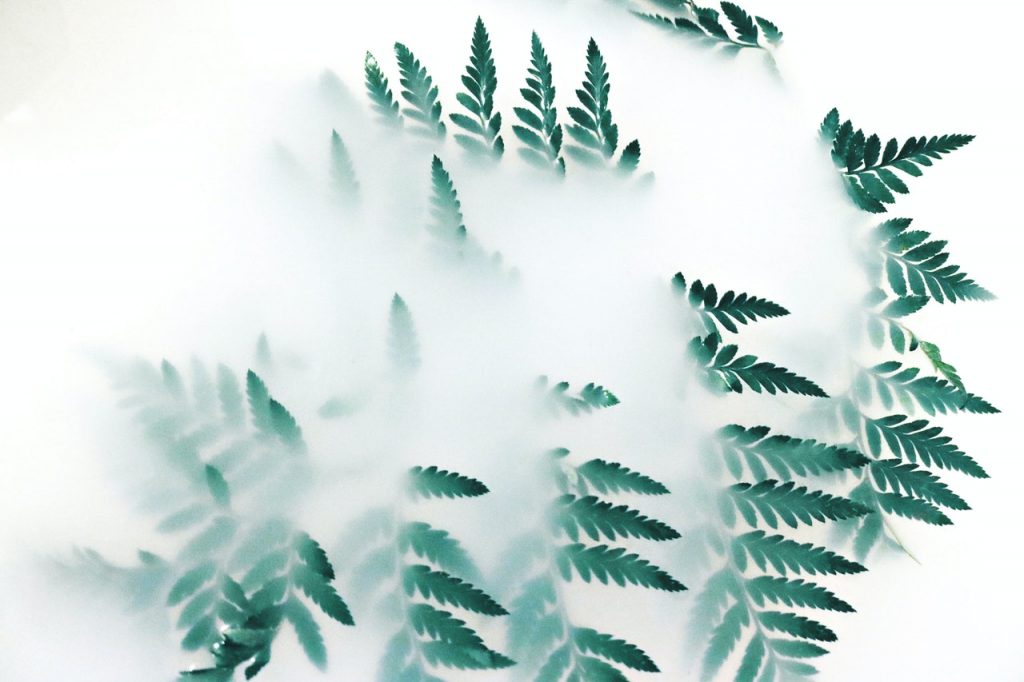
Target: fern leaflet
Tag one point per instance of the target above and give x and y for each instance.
(540, 130)
(480, 82)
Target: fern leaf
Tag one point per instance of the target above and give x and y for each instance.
(793, 593)
(595, 134)
(313, 555)
(912, 508)
(704, 23)
(932, 394)
(611, 477)
(480, 82)
(591, 397)
(598, 518)
(786, 456)
(794, 505)
(912, 263)
(343, 174)
(913, 480)
(434, 482)
(447, 589)
(726, 310)
(540, 131)
(588, 640)
(403, 345)
(419, 91)
(379, 90)
(724, 638)
(915, 440)
(285, 426)
(454, 645)
(322, 593)
(464, 657)
(726, 372)
(438, 547)
(798, 626)
(190, 583)
(604, 563)
(230, 397)
(259, 402)
(446, 208)
(945, 370)
(868, 169)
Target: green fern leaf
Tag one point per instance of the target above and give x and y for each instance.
(419, 91)
(316, 587)
(724, 639)
(595, 134)
(591, 397)
(620, 651)
(794, 505)
(285, 426)
(259, 402)
(892, 380)
(786, 456)
(190, 582)
(726, 372)
(912, 508)
(746, 29)
(598, 518)
(727, 310)
(540, 130)
(464, 657)
(611, 477)
(480, 82)
(793, 593)
(379, 90)
(434, 482)
(447, 589)
(604, 563)
(798, 626)
(446, 208)
(915, 440)
(912, 263)
(438, 547)
(343, 174)
(402, 343)
(313, 555)
(916, 481)
(230, 397)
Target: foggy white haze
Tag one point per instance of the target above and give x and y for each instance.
(165, 193)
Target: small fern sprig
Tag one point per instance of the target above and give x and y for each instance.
(419, 91)
(728, 310)
(343, 174)
(379, 91)
(705, 23)
(542, 632)
(540, 130)
(723, 371)
(595, 134)
(558, 399)
(480, 81)
(420, 568)
(868, 169)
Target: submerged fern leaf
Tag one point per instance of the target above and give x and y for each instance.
(612, 477)
(726, 372)
(480, 81)
(726, 310)
(379, 90)
(419, 91)
(794, 505)
(403, 347)
(598, 518)
(918, 440)
(785, 555)
(343, 174)
(435, 482)
(540, 130)
(591, 641)
(604, 563)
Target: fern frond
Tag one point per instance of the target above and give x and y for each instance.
(786, 456)
(798, 626)
(446, 208)
(867, 169)
(726, 372)
(795, 592)
(480, 82)
(343, 174)
(916, 439)
(419, 91)
(379, 90)
(612, 477)
(591, 641)
(727, 310)
(794, 505)
(403, 346)
(447, 589)
(438, 547)
(540, 130)
(598, 518)
(892, 381)
(705, 24)
(434, 482)
(604, 563)
(913, 264)
(595, 134)
(916, 481)
(591, 397)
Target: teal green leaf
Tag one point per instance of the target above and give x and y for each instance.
(598, 518)
(480, 82)
(218, 486)
(785, 555)
(786, 456)
(724, 371)
(540, 130)
(379, 90)
(321, 593)
(620, 651)
(604, 563)
(438, 547)
(190, 582)
(726, 310)
(724, 639)
(419, 91)
(343, 173)
(230, 396)
(612, 477)
(793, 592)
(307, 631)
(798, 626)
(909, 478)
(434, 482)
(917, 439)
(403, 346)
(793, 505)
(447, 589)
